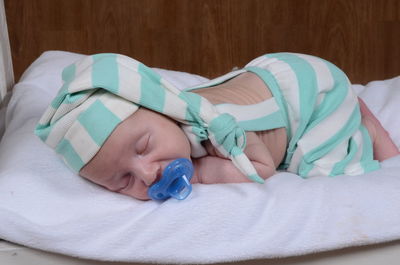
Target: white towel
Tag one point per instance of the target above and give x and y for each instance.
(43, 205)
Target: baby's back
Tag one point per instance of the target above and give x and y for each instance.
(247, 89)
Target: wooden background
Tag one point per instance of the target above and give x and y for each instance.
(209, 37)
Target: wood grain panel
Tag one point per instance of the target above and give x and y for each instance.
(209, 37)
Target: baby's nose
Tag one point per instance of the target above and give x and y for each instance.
(148, 172)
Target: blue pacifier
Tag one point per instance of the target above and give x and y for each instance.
(175, 181)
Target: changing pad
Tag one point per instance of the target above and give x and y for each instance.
(44, 205)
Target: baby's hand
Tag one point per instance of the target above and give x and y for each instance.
(215, 168)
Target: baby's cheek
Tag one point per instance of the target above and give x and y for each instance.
(137, 191)
(118, 184)
(96, 180)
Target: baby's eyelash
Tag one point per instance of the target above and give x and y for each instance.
(143, 144)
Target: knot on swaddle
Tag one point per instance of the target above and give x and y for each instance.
(102, 90)
(227, 133)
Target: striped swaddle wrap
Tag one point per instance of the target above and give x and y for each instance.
(314, 101)
(102, 90)
(323, 119)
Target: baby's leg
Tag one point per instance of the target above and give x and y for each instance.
(383, 145)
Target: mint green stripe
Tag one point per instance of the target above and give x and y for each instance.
(98, 121)
(68, 74)
(275, 89)
(152, 92)
(43, 131)
(256, 178)
(345, 132)
(333, 98)
(105, 72)
(236, 151)
(68, 152)
(371, 165)
(58, 100)
(339, 167)
(221, 127)
(269, 122)
(304, 169)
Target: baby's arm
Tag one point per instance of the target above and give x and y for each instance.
(215, 168)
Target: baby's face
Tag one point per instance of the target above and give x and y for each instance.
(136, 153)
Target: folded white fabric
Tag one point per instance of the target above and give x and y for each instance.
(44, 205)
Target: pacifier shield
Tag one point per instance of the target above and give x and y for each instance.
(175, 181)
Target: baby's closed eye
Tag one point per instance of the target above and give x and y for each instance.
(143, 143)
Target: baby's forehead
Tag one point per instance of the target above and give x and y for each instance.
(138, 122)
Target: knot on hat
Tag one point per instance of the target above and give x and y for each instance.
(227, 133)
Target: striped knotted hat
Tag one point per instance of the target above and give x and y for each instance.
(102, 90)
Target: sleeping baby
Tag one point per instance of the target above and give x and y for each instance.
(119, 124)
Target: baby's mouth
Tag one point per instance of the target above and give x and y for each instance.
(158, 177)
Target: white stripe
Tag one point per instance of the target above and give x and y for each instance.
(219, 147)
(129, 79)
(243, 164)
(82, 142)
(354, 167)
(320, 98)
(47, 115)
(295, 161)
(262, 61)
(249, 112)
(66, 107)
(120, 107)
(197, 149)
(174, 106)
(289, 88)
(207, 110)
(84, 71)
(60, 127)
(220, 79)
(241, 141)
(169, 86)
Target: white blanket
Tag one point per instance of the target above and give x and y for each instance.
(44, 205)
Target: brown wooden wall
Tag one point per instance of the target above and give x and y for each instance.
(209, 37)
